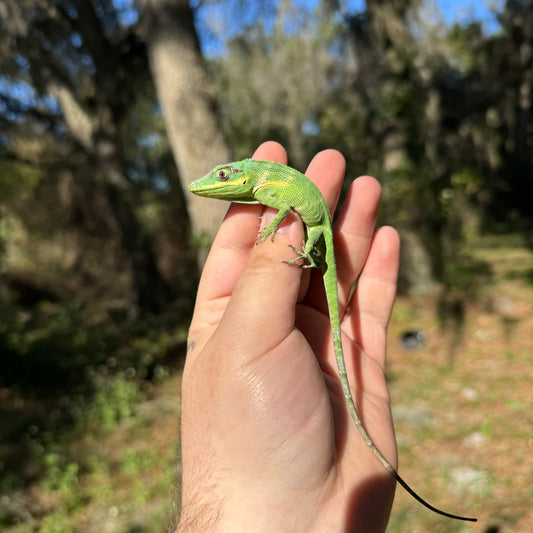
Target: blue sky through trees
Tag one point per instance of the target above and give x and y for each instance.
(212, 17)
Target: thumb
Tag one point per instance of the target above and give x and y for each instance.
(260, 313)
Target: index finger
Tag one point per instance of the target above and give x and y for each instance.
(231, 247)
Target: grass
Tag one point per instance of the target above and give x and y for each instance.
(463, 416)
(82, 447)
(119, 480)
(476, 458)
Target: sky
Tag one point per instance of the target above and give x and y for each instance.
(462, 11)
(465, 11)
(451, 11)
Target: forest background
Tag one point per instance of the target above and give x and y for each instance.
(108, 108)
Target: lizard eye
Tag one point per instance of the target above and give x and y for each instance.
(222, 175)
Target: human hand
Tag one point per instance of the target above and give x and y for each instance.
(267, 441)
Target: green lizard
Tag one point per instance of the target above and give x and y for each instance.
(275, 185)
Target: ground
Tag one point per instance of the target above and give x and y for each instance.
(462, 406)
(463, 417)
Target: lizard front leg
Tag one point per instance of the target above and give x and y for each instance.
(263, 197)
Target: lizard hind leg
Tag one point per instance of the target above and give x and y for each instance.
(302, 254)
(311, 249)
(312, 252)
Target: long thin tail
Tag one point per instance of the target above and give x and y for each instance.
(330, 284)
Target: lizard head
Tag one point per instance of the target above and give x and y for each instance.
(226, 182)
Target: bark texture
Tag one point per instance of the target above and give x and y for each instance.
(194, 127)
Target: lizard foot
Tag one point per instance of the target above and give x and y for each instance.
(311, 263)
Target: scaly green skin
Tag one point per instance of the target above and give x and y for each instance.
(275, 185)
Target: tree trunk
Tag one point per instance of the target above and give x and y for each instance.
(193, 124)
(390, 36)
(96, 131)
(152, 292)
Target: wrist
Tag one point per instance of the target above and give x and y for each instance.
(240, 519)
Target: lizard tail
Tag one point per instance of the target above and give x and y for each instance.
(330, 284)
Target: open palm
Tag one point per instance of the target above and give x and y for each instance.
(267, 441)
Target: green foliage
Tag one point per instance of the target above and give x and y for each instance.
(288, 76)
(464, 43)
(397, 99)
(17, 181)
(51, 345)
(135, 461)
(62, 477)
(57, 522)
(73, 345)
(200, 241)
(79, 371)
(486, 428)
(468, 179)
(113, 402)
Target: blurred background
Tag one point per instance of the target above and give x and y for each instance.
(108, 108)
